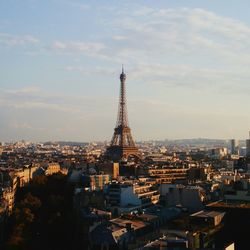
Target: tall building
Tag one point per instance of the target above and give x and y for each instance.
(122, 144)
(115, 170)
(248, 146)
(233, 147)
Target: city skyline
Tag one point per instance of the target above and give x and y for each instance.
(186, 66)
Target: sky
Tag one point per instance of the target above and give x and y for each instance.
(187, 66)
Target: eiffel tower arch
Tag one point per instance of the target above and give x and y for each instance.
(122, 144)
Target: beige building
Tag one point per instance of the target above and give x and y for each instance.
(167, 175)
(115, 170)
(52, 168)
(97, 181)
(9, 198)
(27, 173)
(9, 192)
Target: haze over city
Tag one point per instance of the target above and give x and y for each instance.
(187, 67)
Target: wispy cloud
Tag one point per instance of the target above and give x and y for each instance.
(87, 48)
(91, 70)
(80, 6)
(25, 127)
(20, 125)
(119, 38)
(186, 76)
(184, 31)
(42, 105)
(26, 90)
(17, 40)
(211, 48)
(195, 37)
(58, 116)
(33, 97)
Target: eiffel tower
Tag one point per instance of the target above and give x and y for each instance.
(122, 144)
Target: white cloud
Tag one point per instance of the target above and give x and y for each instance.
(222, 26)
(178, 75)
(91, 70)
(181, 32)
(16, 40)
(59, 116)
(20, 125)
(143, 11)
(43, 105)
(24, 126)
(181, 47)
(193, 38)
(25, 90)
(59, 45)
(33, 97)
(119, 38)
(78, 47)
(81, 6)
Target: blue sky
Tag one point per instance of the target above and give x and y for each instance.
(187, 65)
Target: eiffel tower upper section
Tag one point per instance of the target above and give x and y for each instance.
(122, 144)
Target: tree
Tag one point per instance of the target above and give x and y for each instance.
(31, 202)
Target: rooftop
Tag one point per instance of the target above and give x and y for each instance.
(230, 204)
(206, 214)
(135, 224)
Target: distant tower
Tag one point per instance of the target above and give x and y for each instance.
(248, 146)
(122, 144)
(233, 146)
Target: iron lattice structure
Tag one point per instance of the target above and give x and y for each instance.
(122, 144)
